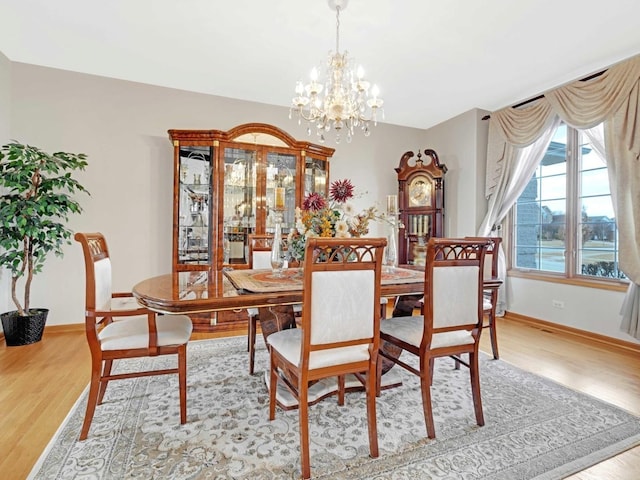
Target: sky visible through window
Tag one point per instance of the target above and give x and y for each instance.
(594, 185)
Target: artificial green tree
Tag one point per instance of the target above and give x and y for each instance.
(36, 199)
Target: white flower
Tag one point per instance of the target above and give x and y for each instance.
(342, 229)
(348, 210)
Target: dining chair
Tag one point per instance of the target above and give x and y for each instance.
(339, 333)
(259, 257)
(490, 296)
(452, 320)
(117, 327)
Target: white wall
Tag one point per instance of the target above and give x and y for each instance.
(122, 127)
(5, 109)
(591, 309)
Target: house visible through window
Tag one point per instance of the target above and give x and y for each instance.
(563, 222)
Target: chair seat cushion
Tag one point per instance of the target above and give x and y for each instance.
(133, 332)
(409, 330)
(289, 343)
(486, 304)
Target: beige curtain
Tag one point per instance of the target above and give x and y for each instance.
(611, 98)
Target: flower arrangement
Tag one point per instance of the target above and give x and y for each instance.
(333, 217)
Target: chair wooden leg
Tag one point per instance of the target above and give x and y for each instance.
(273, 386)
(379, 375)
(371, 390)
(475, 387)
(182, 381)
(249, 327)
(252, 342)
(494, 335)
(106, 371)
(341, 390)
(432, 364)
(426, 379)
(92, 399)
(303, 409)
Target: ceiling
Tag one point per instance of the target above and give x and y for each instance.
(431, 60)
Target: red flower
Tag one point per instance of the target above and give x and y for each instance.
(341, 190)
(314, 201)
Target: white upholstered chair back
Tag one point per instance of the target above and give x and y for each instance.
(260, 251)
(455, 295)
(342, 305)
(261, 259)
(341, 292)
(454, 283)
(103, 289)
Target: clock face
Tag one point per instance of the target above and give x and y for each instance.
(420, 192)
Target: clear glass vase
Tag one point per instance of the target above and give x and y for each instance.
(277, 252)
(391, 251)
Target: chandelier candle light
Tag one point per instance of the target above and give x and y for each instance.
(347, 102)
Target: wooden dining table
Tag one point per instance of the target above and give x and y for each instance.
(231, 289)
(195, 292)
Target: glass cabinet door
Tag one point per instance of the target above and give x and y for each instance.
(194, 205)
(316, 174)
(280, 190)
(239, 203)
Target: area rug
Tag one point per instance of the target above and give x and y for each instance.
(535, 428)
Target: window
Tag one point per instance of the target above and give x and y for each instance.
(563, 222)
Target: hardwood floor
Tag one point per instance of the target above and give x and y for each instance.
(39, 384)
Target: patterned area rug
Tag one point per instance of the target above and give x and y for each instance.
(535, 429)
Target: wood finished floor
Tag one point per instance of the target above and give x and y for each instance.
(39, 384)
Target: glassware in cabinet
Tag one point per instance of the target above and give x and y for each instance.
(194, 205)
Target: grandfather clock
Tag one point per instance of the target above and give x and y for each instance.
(421, 204)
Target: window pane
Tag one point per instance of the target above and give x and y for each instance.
(597, 242)
(540, 220)
(575, 178)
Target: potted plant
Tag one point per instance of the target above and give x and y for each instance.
(35, 203)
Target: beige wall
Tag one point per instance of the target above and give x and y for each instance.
(5, 115)
(122, 127)
(461, 144)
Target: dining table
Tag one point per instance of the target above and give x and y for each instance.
(189, 292)
(192, 292)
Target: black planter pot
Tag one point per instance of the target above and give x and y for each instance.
(20, 330)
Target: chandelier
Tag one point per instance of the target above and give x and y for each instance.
(347, 102)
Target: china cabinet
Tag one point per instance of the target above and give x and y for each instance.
(421, 204)
(229, 185)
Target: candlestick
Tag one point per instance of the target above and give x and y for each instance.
(279, 204)
(392, 204)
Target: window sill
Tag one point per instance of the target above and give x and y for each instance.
(614, 285)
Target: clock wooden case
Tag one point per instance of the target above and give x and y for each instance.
(421, 204)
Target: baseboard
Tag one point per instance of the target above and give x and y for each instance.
(609, 341)
(596, 337)
(67, 328)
